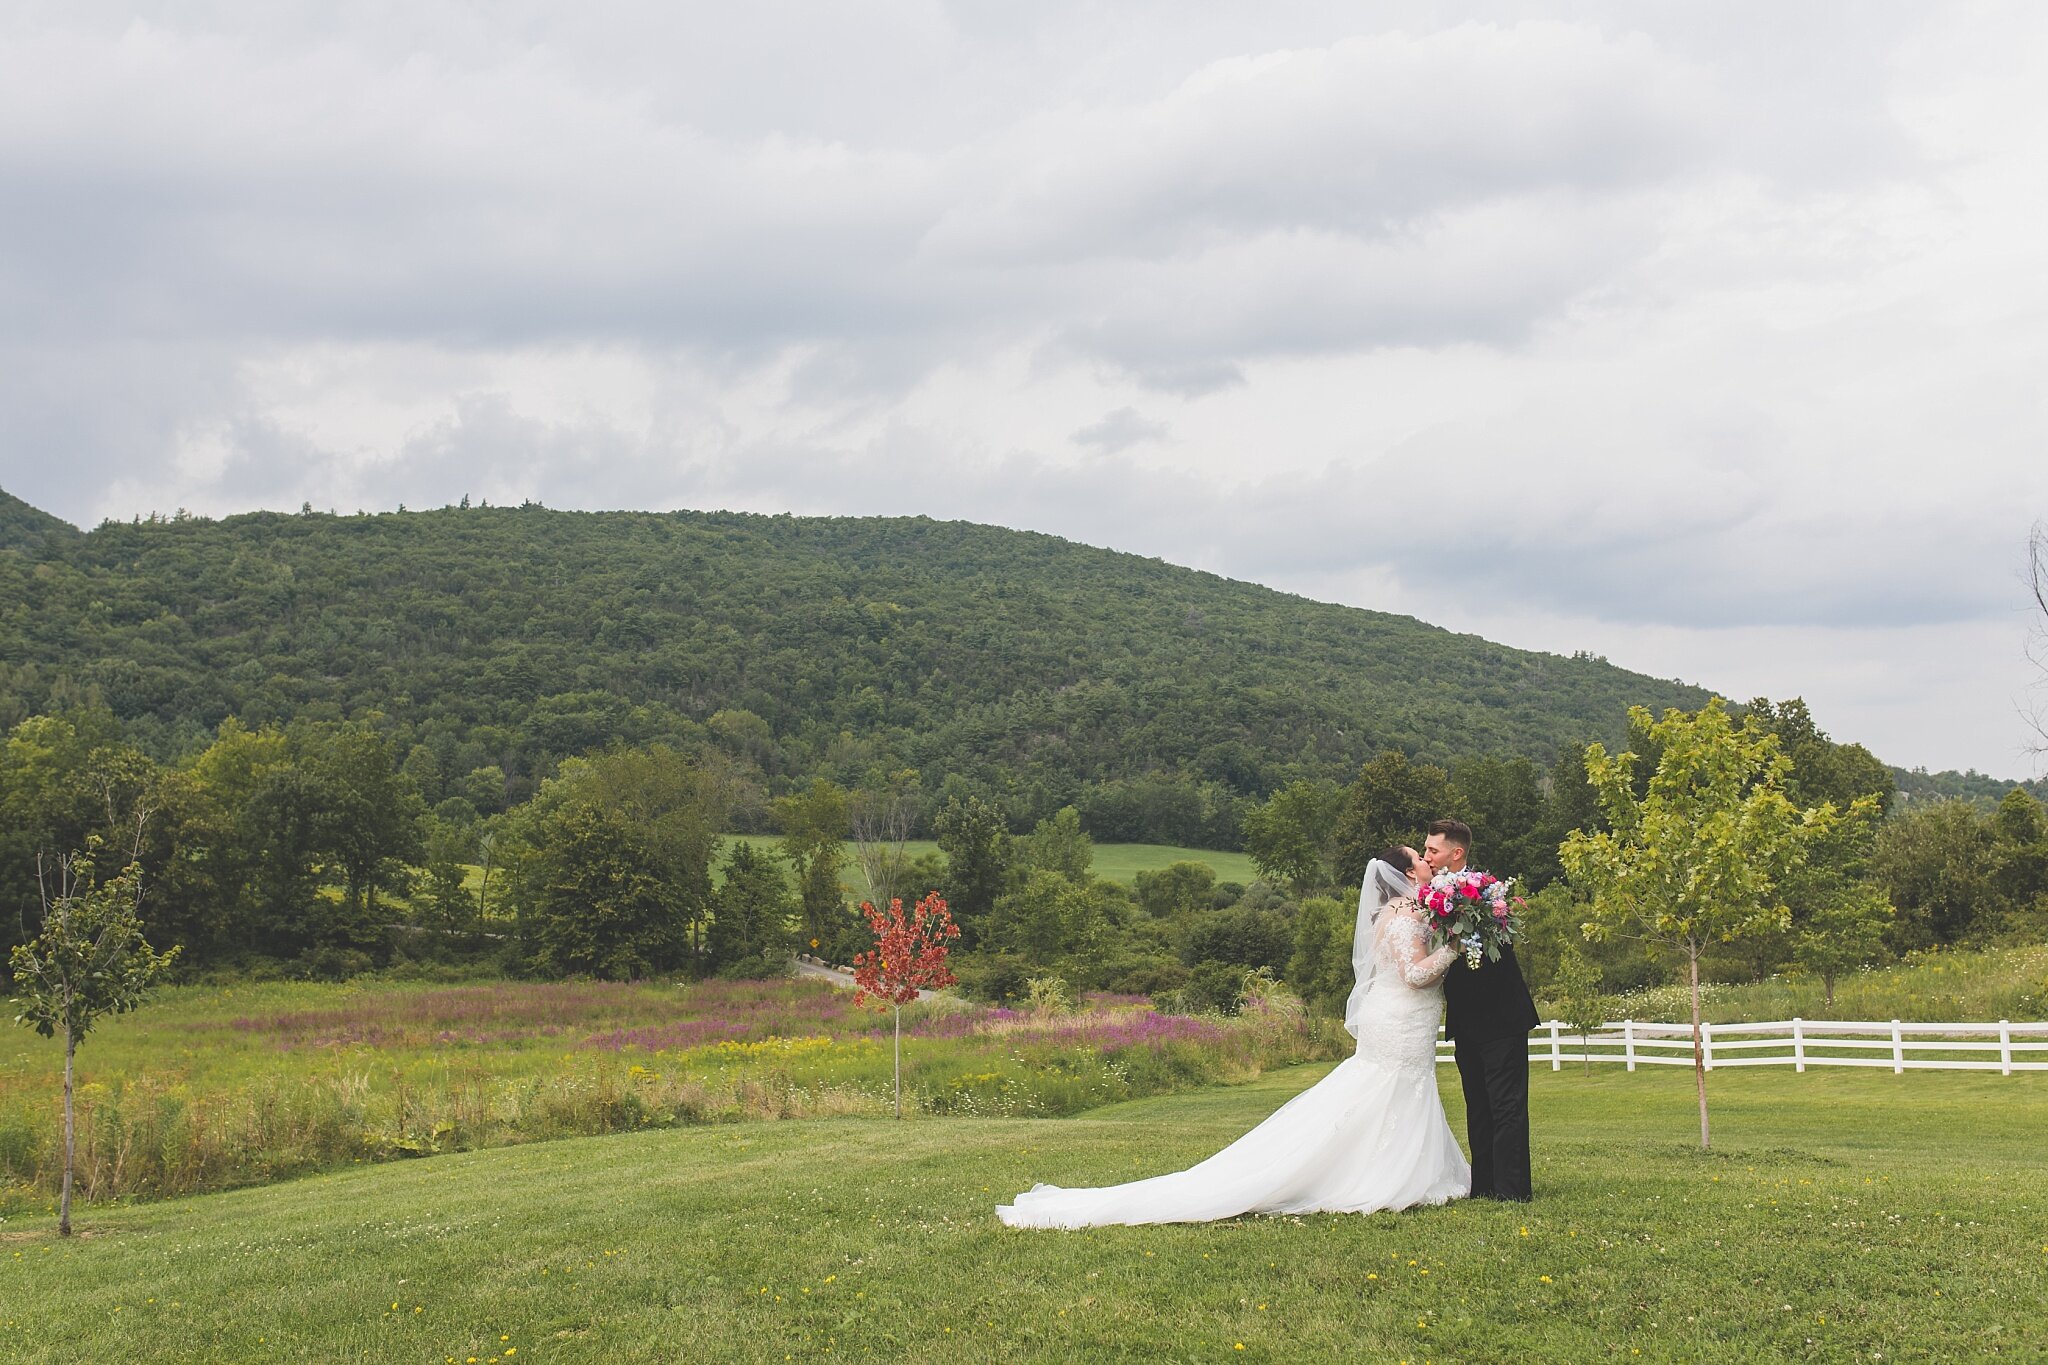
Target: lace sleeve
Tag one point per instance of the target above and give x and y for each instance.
(1406, 940)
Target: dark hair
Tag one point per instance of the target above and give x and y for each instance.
(1399, 857)
(1454, 832)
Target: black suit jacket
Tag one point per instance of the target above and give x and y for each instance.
(1488, 1003)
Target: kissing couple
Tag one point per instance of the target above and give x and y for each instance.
(1370, 1135)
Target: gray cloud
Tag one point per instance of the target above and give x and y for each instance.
(1119, 430)
(1646, 324)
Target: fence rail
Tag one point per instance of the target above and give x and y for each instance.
(1797, 1043)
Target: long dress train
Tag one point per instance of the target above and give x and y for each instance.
(1370, 1135)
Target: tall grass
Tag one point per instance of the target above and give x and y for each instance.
(1931, 987)
(216, 1088)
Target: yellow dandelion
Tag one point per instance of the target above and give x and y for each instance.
(1544, 1278)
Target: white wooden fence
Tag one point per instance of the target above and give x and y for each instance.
(1797, 1043)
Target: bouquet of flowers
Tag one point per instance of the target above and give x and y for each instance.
(1473, 909)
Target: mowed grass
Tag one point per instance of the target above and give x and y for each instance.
(1113, 862)
(1841, 1217)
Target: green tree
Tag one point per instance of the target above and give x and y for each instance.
(47, 804)
(814, 823)
(978, 853)
(283, 852)
(1823, 770)
(1840, 916)
(2019, 831)
(597, 898)
(444, 901)
(1392, 801)
(1937, 865)
(484, 789)
(1320, 967)
(1249, 938)
(1057, 844)
(1569, 803)
(676, 803)
(368, 816)
(1047, 917)
(1290, 835)
(750, 929)
(1176, 890)
(88, 960)
(1846, 933)
(1505, 798)
(1699, 857)
(1581, 1005)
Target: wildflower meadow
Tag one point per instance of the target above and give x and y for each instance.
(210, 1088)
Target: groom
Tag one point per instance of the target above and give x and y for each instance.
(1488, 1015)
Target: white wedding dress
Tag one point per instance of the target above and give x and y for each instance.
(1370, 1135)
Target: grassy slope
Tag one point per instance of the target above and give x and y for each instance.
(1113, 862)
(1840, 1217)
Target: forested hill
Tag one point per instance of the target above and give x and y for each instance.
(27, 528)
(1025, 664)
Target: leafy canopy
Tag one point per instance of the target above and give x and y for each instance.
(1698, 857)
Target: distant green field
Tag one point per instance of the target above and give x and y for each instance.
(1113, 862)
(1845, 1217)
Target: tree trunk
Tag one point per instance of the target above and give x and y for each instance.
(70, 1137)
(483, 893)
(899, 1062)
(1827, 989)
(1699, 1054)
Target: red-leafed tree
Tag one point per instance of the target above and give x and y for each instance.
(909, 956)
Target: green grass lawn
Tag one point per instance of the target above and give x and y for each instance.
(1113, 862)
(1842, 1217)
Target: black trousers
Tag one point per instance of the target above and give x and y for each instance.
(1495, 1076)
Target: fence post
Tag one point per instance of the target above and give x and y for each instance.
(1707, 1042)
(2005, 1047)
(1628, 1042)
(1798, 1043)
(1898, 1050)
(1556, 1056)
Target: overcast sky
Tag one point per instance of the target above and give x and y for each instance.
(1710, 338)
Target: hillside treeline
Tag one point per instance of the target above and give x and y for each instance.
(311, 848)
(1031, 672)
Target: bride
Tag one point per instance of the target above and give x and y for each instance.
(1370, 1135)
